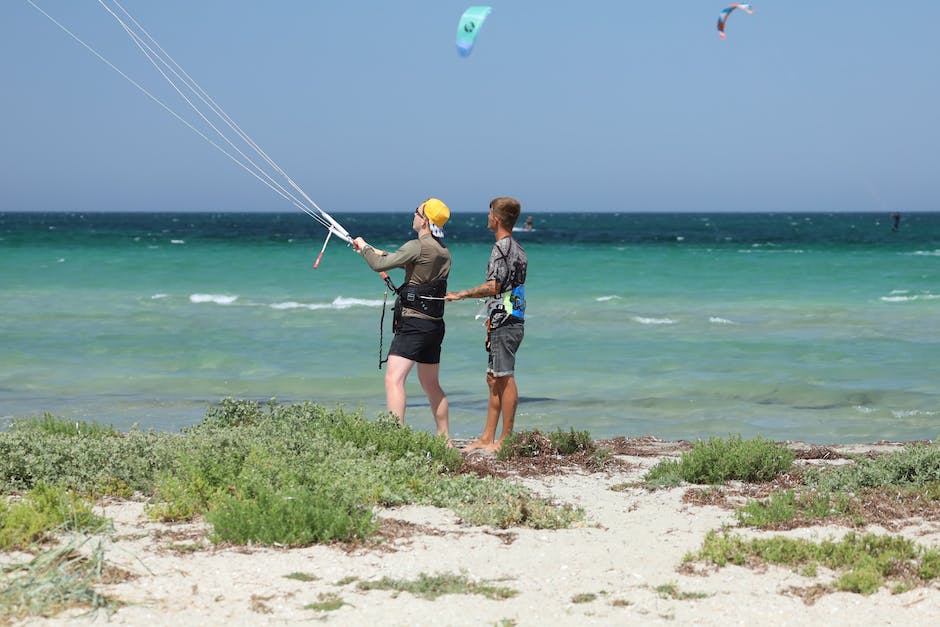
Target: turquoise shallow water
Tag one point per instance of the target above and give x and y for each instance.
(805, 326)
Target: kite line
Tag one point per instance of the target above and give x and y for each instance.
(184, 84)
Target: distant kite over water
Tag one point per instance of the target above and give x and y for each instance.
(727, 11)
(469, 26)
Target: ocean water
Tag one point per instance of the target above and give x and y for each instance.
(816, 327)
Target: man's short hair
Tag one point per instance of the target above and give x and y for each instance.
(507, 210)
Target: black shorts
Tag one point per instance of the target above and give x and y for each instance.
(418, 339)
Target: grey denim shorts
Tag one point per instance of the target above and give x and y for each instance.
(504, 342)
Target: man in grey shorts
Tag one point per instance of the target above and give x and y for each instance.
(505, 292)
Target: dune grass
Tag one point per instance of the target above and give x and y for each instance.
(55, 580)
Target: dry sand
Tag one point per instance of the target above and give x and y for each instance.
(632, 542)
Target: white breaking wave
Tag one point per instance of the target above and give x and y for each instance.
(339, 302)
(913, 412)
(717, 320)
(925, 253)
(791, 251)
(604, 299)
(177, 241)
(158, 296)
(905, 299)
(218, 299)
(643, 320)
(342, 303)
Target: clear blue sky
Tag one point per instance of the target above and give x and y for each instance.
(602, 105)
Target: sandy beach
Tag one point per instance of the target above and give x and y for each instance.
(623, 565)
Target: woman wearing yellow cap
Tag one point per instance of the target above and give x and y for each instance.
(419, 310)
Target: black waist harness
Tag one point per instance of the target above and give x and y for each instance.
(427, 298)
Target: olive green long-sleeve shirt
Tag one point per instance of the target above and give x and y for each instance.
(424, 260)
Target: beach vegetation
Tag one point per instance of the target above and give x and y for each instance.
(671, 590)
(301, 576)
(627, 486)
(916, 466)
(56, 580)
(863, 563)
(91, 465)
(489, 501)
(718, 460)
(787, 506)
(42, 511)
(287, 516)
(326, 602)
(571, 442)
(559, 443)
(48, 423)
(185, 547)
(282, 474)
(524, 444)
(431, 587)
(584, 597)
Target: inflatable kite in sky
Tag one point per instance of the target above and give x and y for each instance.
(727, 11)
(469, 26)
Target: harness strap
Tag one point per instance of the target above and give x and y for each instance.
(388, 286)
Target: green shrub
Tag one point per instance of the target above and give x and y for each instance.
(914, 466)
(719, 460)
(87, 464)
(863, 562)
(571, 442)
(524, 444)
(786, 506)
(666, 474)
(287, 474)
(290, 516)
(41, 511)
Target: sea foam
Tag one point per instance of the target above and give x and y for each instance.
(717, 320)
(643, 320)
(218, 299)
(339, 302)
(905, 299)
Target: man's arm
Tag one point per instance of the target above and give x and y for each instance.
(480, 291)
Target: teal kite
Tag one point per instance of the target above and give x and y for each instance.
(469, 27)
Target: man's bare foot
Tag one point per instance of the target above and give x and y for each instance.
(481, 445)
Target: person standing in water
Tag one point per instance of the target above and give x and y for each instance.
(419, 329)
(505, 327)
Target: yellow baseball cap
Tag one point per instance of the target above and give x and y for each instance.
(436, 211)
